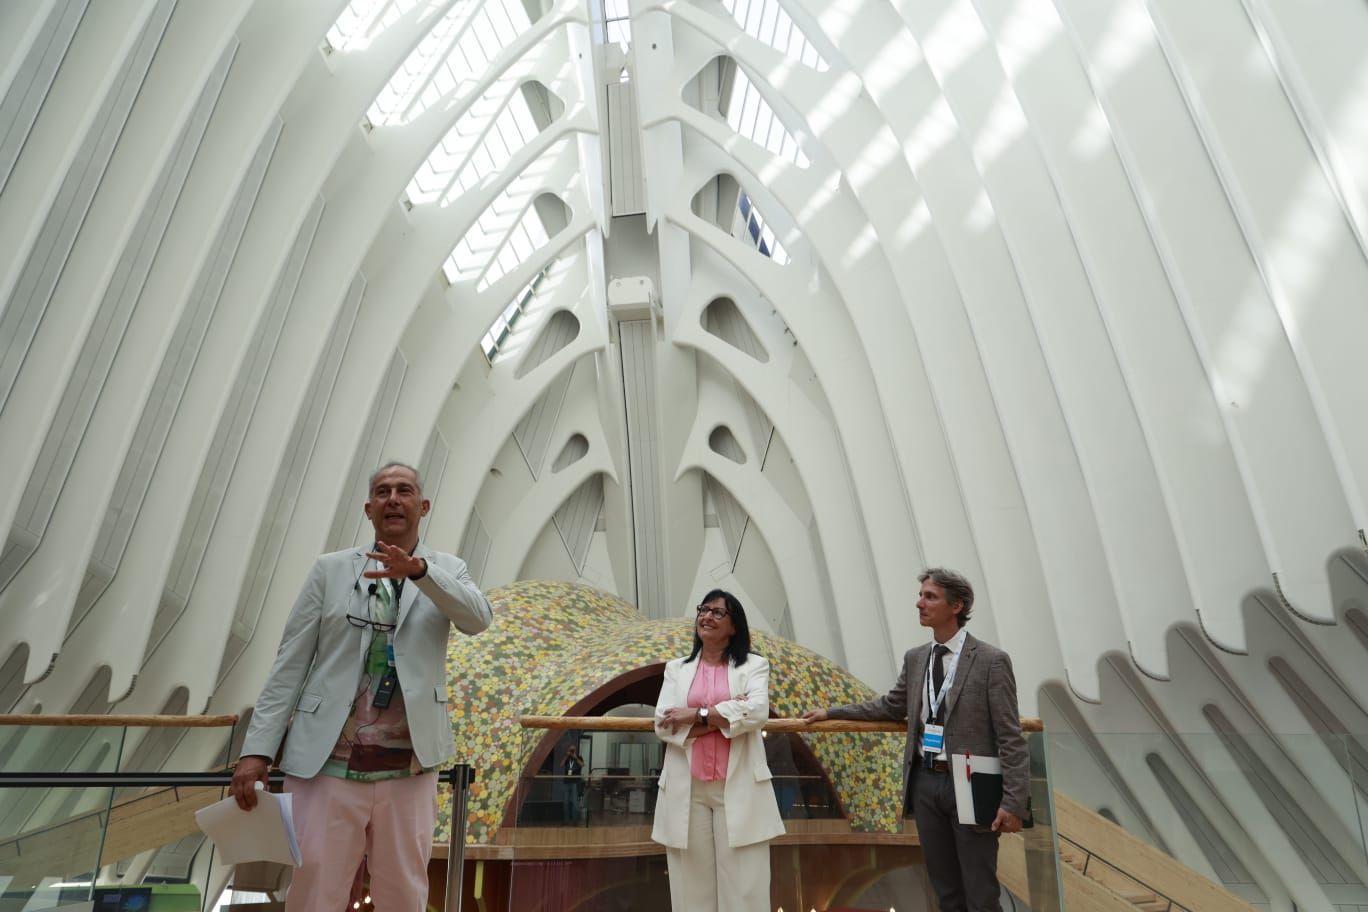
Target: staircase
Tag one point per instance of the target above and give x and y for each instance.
(1136, 872)
(1106, 869)
(1127, 888)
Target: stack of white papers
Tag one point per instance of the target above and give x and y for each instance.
(265, 833)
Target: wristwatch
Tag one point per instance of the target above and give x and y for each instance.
(703, 715)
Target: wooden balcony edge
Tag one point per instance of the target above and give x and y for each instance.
(621, 724)
(113, 721)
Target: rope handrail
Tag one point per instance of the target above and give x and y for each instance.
(115, 721)
(621, 724)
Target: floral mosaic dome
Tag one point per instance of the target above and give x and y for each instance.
(554, 643)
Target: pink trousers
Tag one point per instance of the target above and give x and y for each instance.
(339, 820)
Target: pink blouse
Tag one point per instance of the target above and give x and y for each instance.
(711, 751)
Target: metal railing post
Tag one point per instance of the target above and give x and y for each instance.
(460, 778)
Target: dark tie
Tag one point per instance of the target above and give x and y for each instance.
(938, 677)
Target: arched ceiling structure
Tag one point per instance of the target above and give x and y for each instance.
(789, 296)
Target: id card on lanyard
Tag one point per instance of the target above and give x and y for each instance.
(933, 736)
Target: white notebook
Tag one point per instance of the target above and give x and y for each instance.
(961, 766)
(265, 833)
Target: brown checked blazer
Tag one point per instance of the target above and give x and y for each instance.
(981, 714)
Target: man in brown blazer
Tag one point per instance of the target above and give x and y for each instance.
(958, 699)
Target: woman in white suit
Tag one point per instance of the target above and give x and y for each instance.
(716, 812)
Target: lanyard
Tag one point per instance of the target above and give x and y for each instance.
(934, 700)
(388, 597)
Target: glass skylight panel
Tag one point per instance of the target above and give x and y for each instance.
(481, 143)
(750, 103)
(768, 22)
(619, 31)
(505, 235)
(617, 22)
(783, 34)
(483, 162)
(503, 324)
(362, 20)
(768, 14)
(407, 80)
(480, 242)
(456, 51)
(444, 80)
(750, 115)
(764, 125)
(486, 34)
(526, 238)
(511, 134)
(750, 226)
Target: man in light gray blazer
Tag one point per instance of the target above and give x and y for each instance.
(360, 684)
(966, 705)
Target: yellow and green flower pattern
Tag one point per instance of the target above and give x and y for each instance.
(554, 643)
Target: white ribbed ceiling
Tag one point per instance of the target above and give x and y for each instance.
(789, 297)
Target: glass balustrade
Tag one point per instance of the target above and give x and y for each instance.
(1224, 819)
(1356, 759)
(614, 800)
(584, 843)
(51, 837)
(1216, 820)
(89, 820)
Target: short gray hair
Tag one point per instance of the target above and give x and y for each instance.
(394, 464)
(956, 587)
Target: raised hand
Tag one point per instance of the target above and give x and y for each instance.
(395, 563)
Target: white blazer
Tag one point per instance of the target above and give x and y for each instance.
(752, 811)
(318, 668)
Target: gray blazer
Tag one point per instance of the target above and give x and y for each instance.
(318, 668)
(980, 713)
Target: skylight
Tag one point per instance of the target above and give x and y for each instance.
(362, 20)
(766, 21)
(481, 143)
(505, 234)
(750, 225)
(750, 115)
(617, 23)
(494, 339)
(456, 52)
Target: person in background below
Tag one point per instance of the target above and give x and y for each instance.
(572, 768)
(360, 681)
(715, 811)
(779, 757)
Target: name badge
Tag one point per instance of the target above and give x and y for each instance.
(933, 740)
